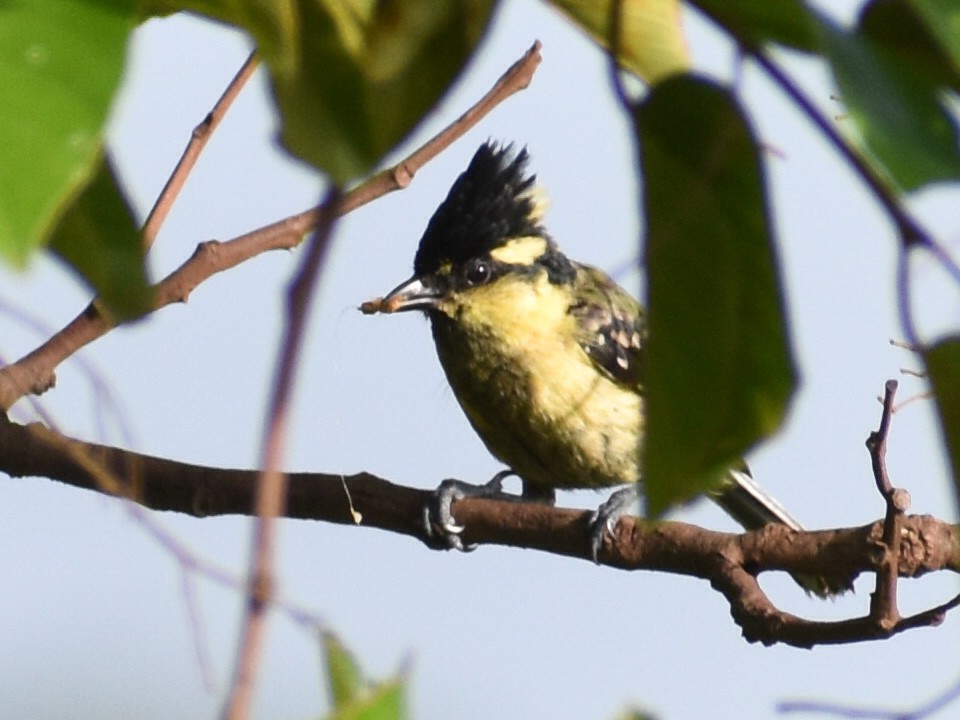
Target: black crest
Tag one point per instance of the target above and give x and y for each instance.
(490, 202)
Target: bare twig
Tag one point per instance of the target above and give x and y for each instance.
(35, 372)
(198, 141)
(911, 233)
(905, 295)
(615, 32)
(906, 346)
(516, 78)
(271, 493)
(122, 474)
(844, 711)
(883, 602)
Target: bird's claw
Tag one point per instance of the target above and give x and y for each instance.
(603, 521)
(438, 521)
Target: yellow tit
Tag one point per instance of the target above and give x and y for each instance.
(544, 354)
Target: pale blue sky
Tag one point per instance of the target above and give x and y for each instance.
(94, 620)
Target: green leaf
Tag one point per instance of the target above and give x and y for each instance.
(898, 29)
(636, 714)
(60, 64)
(719, 367)
(943, 20)
(344, 678)
(98, 237)
(351, 696)
(652, 44)
(385, 701)
(895, 105)
(354, 77)
(760, 21)
(943, 366)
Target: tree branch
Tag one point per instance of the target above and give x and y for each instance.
(35, 372)
(191, 153)
(729, 561)
(910, 231)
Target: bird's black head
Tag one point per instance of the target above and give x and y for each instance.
(488, 229)
(491, 202)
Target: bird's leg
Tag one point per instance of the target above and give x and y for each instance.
(538, 494)
(606, 517)
(438, 520)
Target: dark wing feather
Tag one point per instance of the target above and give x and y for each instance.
(610, 326)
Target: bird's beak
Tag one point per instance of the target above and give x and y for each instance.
(414, 294)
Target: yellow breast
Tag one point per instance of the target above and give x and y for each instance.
(534, 396)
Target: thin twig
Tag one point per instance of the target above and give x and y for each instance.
(129, 476)
(883, 602)
(198, 140)
(904, 345)
(35, 372)
(926, 395)
(846, 711)
(911, 232)
(271, 495)
(198, 631)
(516, 78)
(877, 442)
(905, 296)
(99, 386)
(615, 42)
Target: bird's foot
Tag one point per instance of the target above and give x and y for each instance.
(438, 521)
(606, 517)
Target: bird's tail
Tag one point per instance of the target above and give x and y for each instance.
(746, 502)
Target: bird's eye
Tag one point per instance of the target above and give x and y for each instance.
(477, 272)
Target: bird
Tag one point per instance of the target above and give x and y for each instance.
(545, 356)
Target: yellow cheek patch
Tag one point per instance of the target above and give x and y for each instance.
(520, 251)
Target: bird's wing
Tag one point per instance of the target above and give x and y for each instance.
(610, 326)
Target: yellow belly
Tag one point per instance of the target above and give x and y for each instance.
(532, 393)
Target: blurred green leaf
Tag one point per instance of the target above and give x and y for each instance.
(385, 701)
(943, 366)
(636, 714)
(352, 697)
(344, 678)
(943, 20)
(354, 77)
(896, 105)
(98, 237)
(719, 367)
(60, 64)
(652, 44)
(898, 29)
(760, 21)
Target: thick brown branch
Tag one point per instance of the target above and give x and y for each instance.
(161, 484)
(728, 560)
